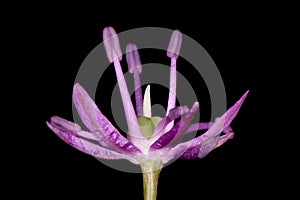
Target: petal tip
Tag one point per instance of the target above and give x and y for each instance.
(196, 105)
(244, 96)
(77, 86)
(48, 124)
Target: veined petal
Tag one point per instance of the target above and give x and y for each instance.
(71, 127)
(96, 122)
(191, 154)
(68, 126)
(221, 123)
(161, 127)
(225, 120)
(205, 125)
(89, 147)
(210, 144)
(65, 123)
(198, 126)
(210, 138)
(177, 131)
(207, 144)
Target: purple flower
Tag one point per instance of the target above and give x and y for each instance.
(152, 141)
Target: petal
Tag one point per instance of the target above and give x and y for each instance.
(206, 146)
(96, 122)
(191, 154)
(200, 150)
(198, 127)
(71, 127)
(60, 122)
(161, 127)
(205, 125)
(178, 130)
(211, 138)
(225, 120)
(89, 147)
(67, 126)
(211, 143)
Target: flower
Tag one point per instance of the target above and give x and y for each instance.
(152, 141)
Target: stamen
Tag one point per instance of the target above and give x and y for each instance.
(172, 87)
(175, 45)
(112, 44)
(133, 59)
(114, 54)
(135, 67)
(173, 52)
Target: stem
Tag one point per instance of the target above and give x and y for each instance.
(151, 170)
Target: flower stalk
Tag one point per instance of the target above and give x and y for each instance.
(151, 170)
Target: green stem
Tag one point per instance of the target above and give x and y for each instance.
(151, 170)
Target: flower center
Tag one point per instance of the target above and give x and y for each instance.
(148, 125)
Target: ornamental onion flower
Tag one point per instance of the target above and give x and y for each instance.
(152, 141)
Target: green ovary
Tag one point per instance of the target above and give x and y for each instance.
(147, 125)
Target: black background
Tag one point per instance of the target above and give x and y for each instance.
(53, 43)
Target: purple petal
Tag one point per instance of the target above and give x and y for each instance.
(96, 122)
(225, 120)
(200, 150)
(63, 123)
(111, 44)
(206, 146)
(210, 144)
(211, 138)
(178, 130)
(175, 44)
(173, 114)
(89, 147)
(205, 125)
(67, 126)
(198, 127)
(135, 67)
(191, 154)
(71, 127)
